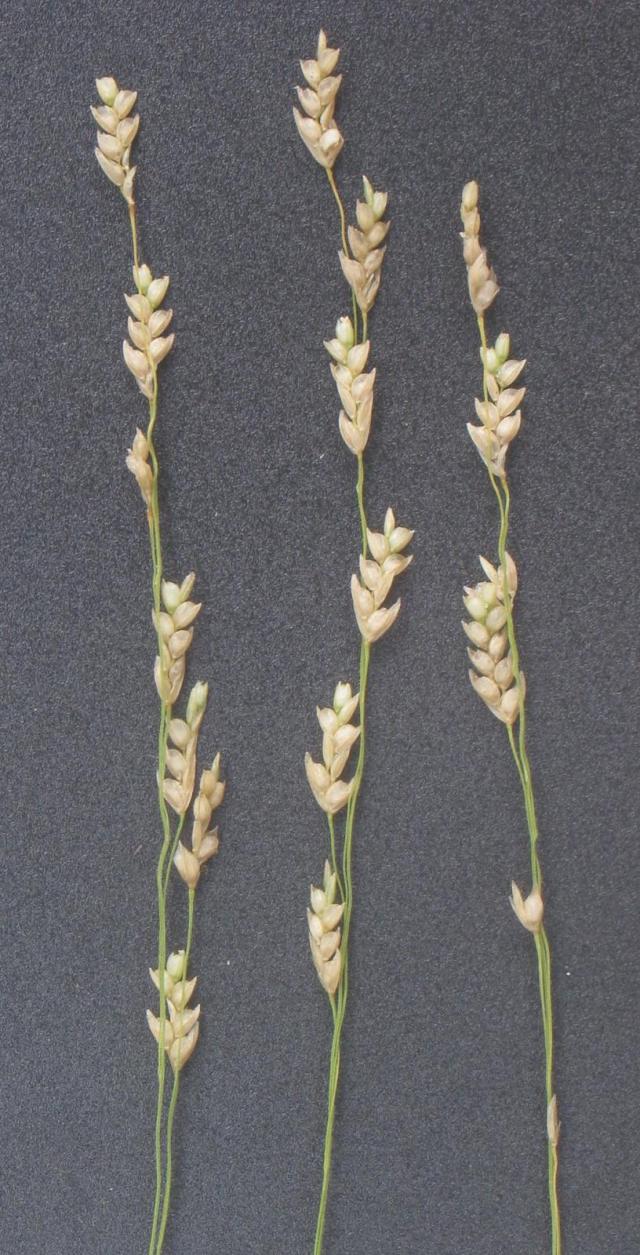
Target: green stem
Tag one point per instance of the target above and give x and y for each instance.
(334, 855)
(174, 846)
(339, 1011)
(521, 759)
(174, 1098)
(155, 541)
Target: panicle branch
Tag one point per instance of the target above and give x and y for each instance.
(363, 270)
(339, 736)
(493, 678)
(376, 577)
(116, 133)
(324, 917)
(483, 286)
(181, 1031)
(316, 124)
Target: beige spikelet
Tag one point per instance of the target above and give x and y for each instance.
(316, 123)
(483, 287)
(363, 270)
(355, 386)
(376, 577)
(117, 131)
(204, 841)
(146, 324)
(323, 918)
(138, 463)
(500, 414)
(182, 1029)
(177, 786)
(529, 910)
(339, 737)
(173, 626)
(493, 677)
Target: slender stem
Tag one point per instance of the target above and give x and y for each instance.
(334, 855)
(345, 243)
(519, 750)
(339, 1011)
(174, 845)
(155, 541)
(339, 1004)
(174, 1096)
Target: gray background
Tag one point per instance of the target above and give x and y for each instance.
(440, 1144)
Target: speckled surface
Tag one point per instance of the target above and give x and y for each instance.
(439, 1146)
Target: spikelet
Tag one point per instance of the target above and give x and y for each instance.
(204, 842)
(355, 387)
(339, 736)
(493, 678)
(117, 131)
(316, 125)
(500, 414)
(376, 577)
(173, 627)
(182, 1029)
(324, 933)
(147, 324)
(529, 910)
(137, 461)
(177, 787)
(362, 271)
(483, 287)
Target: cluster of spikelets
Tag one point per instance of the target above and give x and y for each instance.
(138, 463)
(500, 414)
(493, 678)
(362, 271)
(116, 134)
(316, 125)
(204, 841)
(182, 1029)
(147, 324)
(355, 386)
(483, 287)
(324, 917)
(175, 634)
(377, 575)
(339, 736)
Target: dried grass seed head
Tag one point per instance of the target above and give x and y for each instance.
(173, 627)
(493, 678)
(182, 1028)
(376, 578)
(146, 325)
(483, 287)
(529, 910)
(339, 737)
(204, 841)
(177, 787)
(316, 123)
(324, 933)
(116, 133)
(500, 414)
(137, 461)
(363, 270)
(355, 386)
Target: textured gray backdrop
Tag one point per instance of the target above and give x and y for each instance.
(440, 1143)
